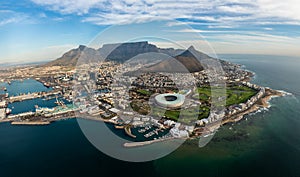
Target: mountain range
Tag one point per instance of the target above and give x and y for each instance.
(179, 60)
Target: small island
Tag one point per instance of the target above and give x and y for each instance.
(152, 105)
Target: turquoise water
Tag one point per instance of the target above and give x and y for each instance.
(18, 87)
(266, 144)
(28, 85)
(29, 105)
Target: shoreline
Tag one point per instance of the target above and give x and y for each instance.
(263, 102)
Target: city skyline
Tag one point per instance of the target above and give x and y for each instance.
(43, 30)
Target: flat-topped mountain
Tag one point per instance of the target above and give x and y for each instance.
(125, 51)
(178, 61)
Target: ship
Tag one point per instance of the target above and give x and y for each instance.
(41, 110)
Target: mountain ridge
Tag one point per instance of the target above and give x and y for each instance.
(188, 60)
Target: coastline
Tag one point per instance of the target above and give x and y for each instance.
(264, 102)
(261, 103)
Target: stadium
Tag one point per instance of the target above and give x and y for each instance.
(170, 100)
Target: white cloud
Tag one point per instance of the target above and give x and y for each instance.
(223, 12)
(69, 6)
(8, 17)
(268, 29)
(189, 30)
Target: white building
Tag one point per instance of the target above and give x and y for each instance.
(175, 132)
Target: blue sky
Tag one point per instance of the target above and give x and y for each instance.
(34, 30)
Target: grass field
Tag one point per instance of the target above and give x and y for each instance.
(144, 92)
(234, 94)
(185, 115)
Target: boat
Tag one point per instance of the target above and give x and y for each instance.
(46, 84)
(59, 102)
(8, 111)
(44, 110)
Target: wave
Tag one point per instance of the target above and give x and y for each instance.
(260, 110)
(285, 93)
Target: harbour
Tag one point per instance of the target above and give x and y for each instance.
(33, 108)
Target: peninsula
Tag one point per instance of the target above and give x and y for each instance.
(153, 103)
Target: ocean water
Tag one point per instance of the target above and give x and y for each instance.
(23, 86)
(265, 144)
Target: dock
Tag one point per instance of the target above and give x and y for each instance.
(31, 123)
(34, 95)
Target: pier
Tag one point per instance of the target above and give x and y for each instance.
(143, 143)
(31, 123)
(34, 95)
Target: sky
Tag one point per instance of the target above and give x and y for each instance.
(37, 30)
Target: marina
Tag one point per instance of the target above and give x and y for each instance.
(38, 108)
